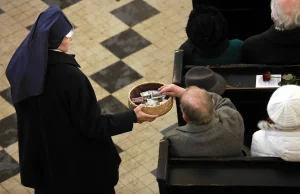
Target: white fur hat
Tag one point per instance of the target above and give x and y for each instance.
(284, 107)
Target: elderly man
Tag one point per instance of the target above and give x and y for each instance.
(214, 127)
(280, 44)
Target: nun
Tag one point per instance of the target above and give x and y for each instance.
(65, 143)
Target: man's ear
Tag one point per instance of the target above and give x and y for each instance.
(185, 118)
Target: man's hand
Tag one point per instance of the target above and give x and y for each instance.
(171, 90)
(141, 116)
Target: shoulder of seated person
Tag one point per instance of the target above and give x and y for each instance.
(184, 45)
(172, 133)
(228, 113)
(236, 41)
(254, 38)
(259, 133)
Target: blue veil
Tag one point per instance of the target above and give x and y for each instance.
(27, 68)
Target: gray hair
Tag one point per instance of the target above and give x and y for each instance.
(283, 20)
(198, 108)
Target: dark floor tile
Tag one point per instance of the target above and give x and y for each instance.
(115, 76)
(111, 105)
(119, 150)
(125, 43)
(6, 95)
(1, 11)
(8, 166)
(134, 12)
(8, 131)
(61, 3)
(166, 130)
(154, 172)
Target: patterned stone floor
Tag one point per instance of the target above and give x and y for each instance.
(119, 44)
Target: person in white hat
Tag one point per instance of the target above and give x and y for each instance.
(280, 137)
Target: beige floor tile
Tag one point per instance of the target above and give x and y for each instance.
(158, 124)
(24, 7)
(153, 152)
(41, 7)
(143, 158)
(139, 171)
(35, 2)
(119, 186)
(146, 144)
(18, 178)
(148, 179)
(13, 12)
(18, 2)
(126, 144)
(148, 132)
(2, 190)
(124, 156)
(20, 17)
(140, 27)
(123, 190)
(156, 138)
(8, 110)
(12, 149)
(119, 138)
(7, 6)
(127, 178)
(150, 165)
(89, 70)
(16, 156)
(122, 170)
(134, 151)
(146, 190)
(131, 164)
(154, 187)
(139, 127)
(135, 186)
(133, 61)
(18, 190)
(30, 190)
(10, 183)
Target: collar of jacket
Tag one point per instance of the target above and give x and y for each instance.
(211, 52)
(283, 36)
(55, 58)
(193, 128)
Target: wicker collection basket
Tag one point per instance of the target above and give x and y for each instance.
(156, 110)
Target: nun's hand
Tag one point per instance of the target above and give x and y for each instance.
(141, 116)
(171, 90)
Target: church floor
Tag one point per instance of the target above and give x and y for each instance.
(119, 44)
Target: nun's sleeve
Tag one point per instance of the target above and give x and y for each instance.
(86, 113)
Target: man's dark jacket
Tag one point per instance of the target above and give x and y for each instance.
(273, 47)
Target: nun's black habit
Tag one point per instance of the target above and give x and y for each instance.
(64, 142)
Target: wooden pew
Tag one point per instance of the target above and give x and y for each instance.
(250, 101)
(219, 175)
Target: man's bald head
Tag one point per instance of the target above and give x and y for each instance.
(197, 105)
(286, 13)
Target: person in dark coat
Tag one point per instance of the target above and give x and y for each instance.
(207, 42)
(279, 45)
(65, 143)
